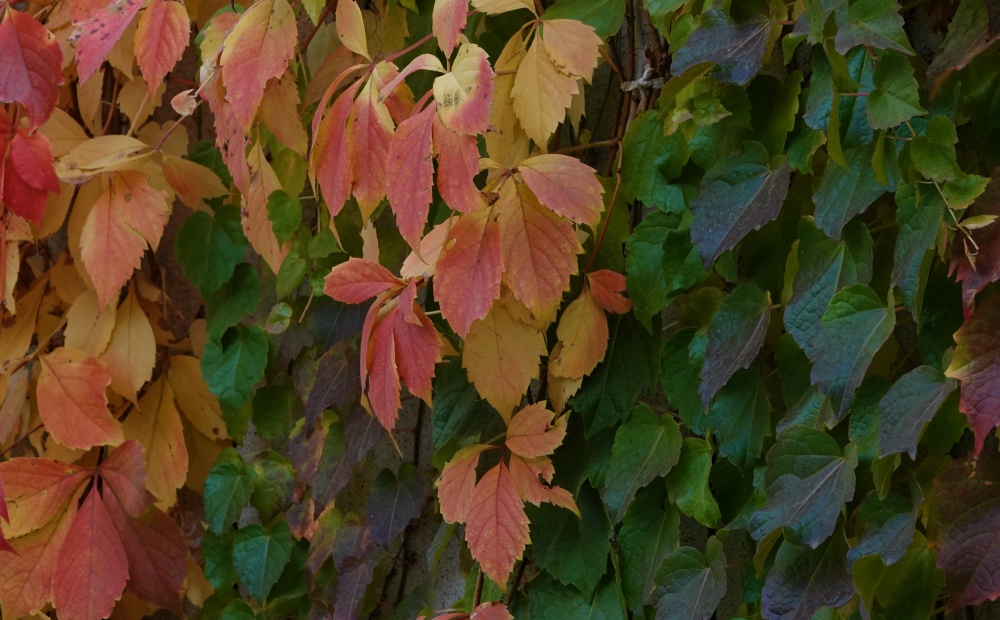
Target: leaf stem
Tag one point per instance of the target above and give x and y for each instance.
(407, 50)
(583, 147)
(22, 438)
(517, 582)
(478, 596)
(611, 208)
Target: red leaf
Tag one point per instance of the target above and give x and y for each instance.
(464, 94)
(160, 40)
(369, 130)
(469, 270)
(963, 520)
(976, 364)
(448, 22)
(607, 286)
(496, 526)
(257, 49)
(100, 32)
(72, 402)
(491, 611)
(531, 434)
(458, 164)
(28, 173)
(31, 71)
(358, 280)
(566, 185)
(125, 473)
(330, 157)
(458, 483)
(411, 175)
(418, 349)
(37, 490)
(383, 373)
(533, 478)
(92, 567)
(26, 578)
(4, 514)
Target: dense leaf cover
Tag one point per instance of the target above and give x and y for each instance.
(585, 276)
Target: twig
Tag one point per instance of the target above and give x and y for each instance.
(478, 596)
(517, 581)
(584, 147)
(21, 438)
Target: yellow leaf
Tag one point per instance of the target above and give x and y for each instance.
(193, 182)
(502, 356)
(256, 225)
(194, 399)
(88, 329)
(131, 353)
(63, 132)
(157, 426)
(279, 109)
(351, 27)
(101, 154)
(494, 7)
(16, 334)
(561, 389)
(572, 47)
(508, 144)
(202, 453)
(583, 332)
(541, 94)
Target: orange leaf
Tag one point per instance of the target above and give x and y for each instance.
(193, 397)
(157, 426)
(256, 224)
(464, 94)
(100, 32)
(37, 490)
(565, 185)
(501, 355)
(72, 402)
(26, 578)
(458, 483)
(92, 567)
(496, 526)
(583, 332)
(383, 386)
(448, 21)
(131, 352)
(571, 46)
(458, 164)
(127, 216)
(561, 389)
(330, 158)
(193, 182)
(32, 65)
(351, 27)
(410, 171)
(160, 40)
(418, 349)
(359, 280)
(541, 94)
(539, 250)
(125, 474)
(607, 287)
(257, 49)
(469, 270)
(533, 478)
(530, 433)
(279, 110)
(491, 611)
(369, 130)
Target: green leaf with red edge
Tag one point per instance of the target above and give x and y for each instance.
(469, 270)
(976, 364)
(496, 526)
(100, 32)
(34, 81)
(160, 40)
(963, 518)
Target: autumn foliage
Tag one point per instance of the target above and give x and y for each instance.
(496, 309)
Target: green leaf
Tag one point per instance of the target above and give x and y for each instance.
(237, 299)
(227, 490)
(547, 598)
(680, 380)
(260, 554)
(458, 408)
(895, 98)
(961, 192)
(735, 335)
(741, 418)
(237, 610)
(604, 16)
(874, 23)
(737, 196)
(650, 160)
(571, 549)
(273, 484)
(910, 588)
(691, 585)
(887, 528)
(969, 34)
(209, 248)
(290, 274)
(803, 580)
(853, 329)
(909, 406)
(846, 191)
(807, 481)
(660, 262)
(217, 551)
(285, 213)
(645, 448)
(933, 153)
(737, 47)
(648, 535)
(774, 105)
(687, 483)
(865, 418)
(631, 364)
(233, 365)
(919, 215)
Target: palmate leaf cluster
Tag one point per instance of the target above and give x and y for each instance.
(500, 309)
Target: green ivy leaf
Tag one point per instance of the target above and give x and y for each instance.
(969, 34)
(933, 153)
(650, 160)
(909, 588)
(604, 16)
(919, 215)
(458, 408)
(741, 418)
(260, 555)
(217, 551)
(735, 336)
(803, 580)
(547, 598)
(887, 527)
(691, 585)
(687, 483)
(237, 610)
(680, 379)
(895, 98)
(285, 213)
(209, 248)
(290, 274)
(865, 418)
(909, 406)
(236, 299)
(233, 365)
(645, 447)
(846, 191)
(648, 535)
(774, 106)
(737, 47)
(273, 484)
(874, 23)
(227, 490)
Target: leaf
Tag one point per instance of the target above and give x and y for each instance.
(604, 16)
(907, 408)
(72, 402)
(127, 216)
(79, 590)
(736, 47)
(351, 28)
(329, 161)
(26, 578)
(235, 300)
(193, 397)
(464, 94)
(887, 528)
(566, 186)
(691, 585)
(124, 473)
(502, 356)
(645, 448)
(457, 483)
(969, 34)
(547, 598)
(853, 329)
(650, 160)
(458, 407)
(974, 275)
(573, 548)
(687, 482)
(962, 517)
(28, 175)
(411, 172)
(541, 94)
(741, 418)
(846, 191)
(369, 130)
(919, 216)
(679, 377)
(531, 434)
(583, 333)
(975, 364)
(737, 196)
(233, 365)
(227, 491)
(37, 490)
(257, 49)
(933, 153)
(394, 502)
(100, 32)
(448, 21)
(195, 184)
(209, 248)
(131, 352)
(469, 271)
(496, 526)
(458, 164)
(260, 554)
(807, 481)
(803, 580)
(157, 426)
(873, 23)
(160, 39)
(359, 280)
(285, 213)
(895, 99)
(648, 535)
(911, 587)
(735, 335)
(34, 81)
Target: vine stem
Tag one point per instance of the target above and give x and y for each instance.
(408, 49)
(584, 147)
(517, 582)
(478, 596)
